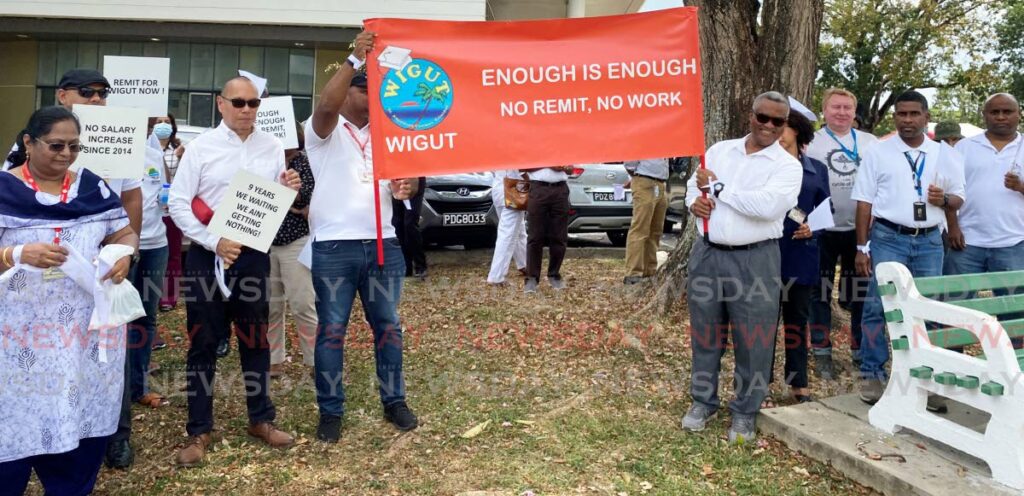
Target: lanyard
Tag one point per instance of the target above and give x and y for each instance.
(916, 170)
(63, 194)
(361, 144)
(852, 155)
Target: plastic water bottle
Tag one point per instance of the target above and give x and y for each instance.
(165, 192)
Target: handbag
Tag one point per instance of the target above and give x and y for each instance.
(517, 193)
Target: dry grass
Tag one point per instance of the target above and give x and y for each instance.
(601, 397)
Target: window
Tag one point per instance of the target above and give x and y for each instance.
(276, 70)
(201, 67)
(88, 55)
(226, 66)
(178, 52)
(47, 75)
(303, 107)
(300, 72)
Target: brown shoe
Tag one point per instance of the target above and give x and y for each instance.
(276, 370)
(192, 454)
(271, 435)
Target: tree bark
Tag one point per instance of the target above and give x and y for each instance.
(739, 60)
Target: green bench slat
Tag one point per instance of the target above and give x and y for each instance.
(992, 389)
(941, 285)
(921, 372)
(967, 382)
(955, 336)
(894, 316)
(945, 378)
(1000, 305)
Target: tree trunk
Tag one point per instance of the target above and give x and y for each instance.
(739, 60)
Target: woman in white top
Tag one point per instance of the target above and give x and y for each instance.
(165, 133)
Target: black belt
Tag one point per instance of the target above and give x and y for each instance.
(910, 231)
(751, 246)
(652, 178)
(545, 183)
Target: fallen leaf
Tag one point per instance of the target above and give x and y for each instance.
(707, 470)
(476, 430)
(802, 471)
(525, 422)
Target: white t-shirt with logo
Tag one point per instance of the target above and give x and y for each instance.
(842, 170)
(342, 205)
(154, 231)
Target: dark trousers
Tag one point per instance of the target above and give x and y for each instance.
(795, 312)
(837, 247)
(407, 228)
(547, 224)
(209, 315)
(66, 474)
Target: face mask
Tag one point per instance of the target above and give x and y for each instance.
(163, 130)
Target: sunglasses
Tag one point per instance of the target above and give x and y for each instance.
(776, 121)
(242, 102)
(88, 92)
(73, 147)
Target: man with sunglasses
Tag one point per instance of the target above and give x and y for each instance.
(734, 284)
(901, 212)
(204, 173)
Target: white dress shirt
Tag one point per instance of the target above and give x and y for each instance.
(992, 216)
(549, 176)
(206, 168)
(760, 188)
(342, 204)
(842, 169)
(885, 181)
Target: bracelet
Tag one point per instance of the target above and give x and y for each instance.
(356, 63)
(865, 249)
(7, 251)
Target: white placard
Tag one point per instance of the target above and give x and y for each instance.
(821, 217)
(113, 141)
(252, 210)
(277, 116)
(138, 82)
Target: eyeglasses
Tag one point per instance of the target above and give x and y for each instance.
(72, 147)
(776, 121)
(88, 92)
(241, 102)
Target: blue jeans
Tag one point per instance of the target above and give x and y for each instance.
(341, 269)
(148, 277)
(976, 260)
(922, 255)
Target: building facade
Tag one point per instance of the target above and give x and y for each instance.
(289, 43)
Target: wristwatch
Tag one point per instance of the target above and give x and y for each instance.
(945, 200)
(717, 188)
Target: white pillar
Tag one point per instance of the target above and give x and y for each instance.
(576, 8)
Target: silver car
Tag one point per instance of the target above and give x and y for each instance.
(458, 210)
(592, 204)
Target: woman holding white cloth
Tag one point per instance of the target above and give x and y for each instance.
(62, 392)
(511, 240)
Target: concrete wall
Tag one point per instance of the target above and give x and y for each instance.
(17, 88)
(511, 10)
(305, 12)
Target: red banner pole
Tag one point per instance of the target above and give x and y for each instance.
(380, 228)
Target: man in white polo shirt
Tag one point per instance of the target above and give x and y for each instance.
(990, 235)
(343, 231)
(904, 188)
(734, 284)
(840, 147)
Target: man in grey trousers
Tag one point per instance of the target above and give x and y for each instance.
(749, 186)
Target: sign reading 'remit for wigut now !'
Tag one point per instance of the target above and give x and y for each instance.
(449, 97)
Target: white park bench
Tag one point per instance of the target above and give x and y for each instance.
(922, 364)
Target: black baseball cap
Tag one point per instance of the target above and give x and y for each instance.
(76, 78)
(359, 80)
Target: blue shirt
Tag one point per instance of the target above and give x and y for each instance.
(800, 256)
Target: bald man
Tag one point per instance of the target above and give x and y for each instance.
(205, 170)
(988, 234)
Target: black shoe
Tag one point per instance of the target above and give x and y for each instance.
(420, 272)
(401, 416)
(329, 430)
(223, 348)
(119, 454)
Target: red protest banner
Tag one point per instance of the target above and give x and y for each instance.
(448, 97)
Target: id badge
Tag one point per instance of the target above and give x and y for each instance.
(920, 212)
(53, 274)
(797, 215)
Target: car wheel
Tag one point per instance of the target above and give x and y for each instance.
(618, 238)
